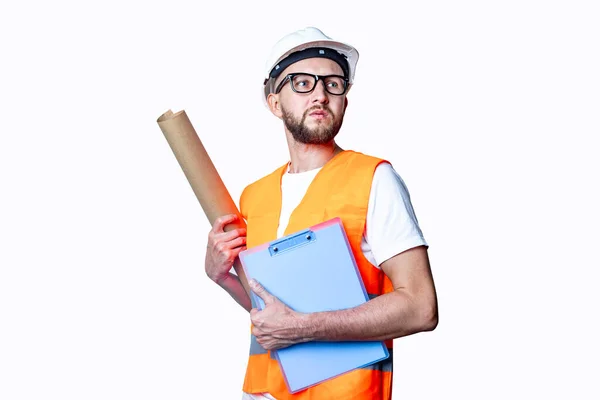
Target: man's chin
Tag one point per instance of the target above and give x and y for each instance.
(320, 138)
(318, 125)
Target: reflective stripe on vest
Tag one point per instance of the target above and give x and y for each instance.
(340, 189)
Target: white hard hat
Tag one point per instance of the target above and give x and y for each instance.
(307, 38)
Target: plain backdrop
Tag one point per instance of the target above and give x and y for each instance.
(488, 110)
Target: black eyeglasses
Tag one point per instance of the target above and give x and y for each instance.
(305, 83)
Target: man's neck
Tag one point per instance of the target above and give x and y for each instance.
(306, 157)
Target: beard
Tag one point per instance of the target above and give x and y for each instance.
(323, 133)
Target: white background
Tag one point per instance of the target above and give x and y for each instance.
(488, 110)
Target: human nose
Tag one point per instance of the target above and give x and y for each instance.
(319, 93)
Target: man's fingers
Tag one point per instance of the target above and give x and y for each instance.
(228, 243)
(260, 291)
(235, 243)
(232, 234)
(225, 238)
(236, 252)
(224, 220)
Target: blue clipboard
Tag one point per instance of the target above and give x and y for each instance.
(310, 271)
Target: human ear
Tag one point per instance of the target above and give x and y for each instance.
(274, 105)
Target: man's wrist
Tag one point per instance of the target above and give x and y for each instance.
(308, 326)
(222, 280)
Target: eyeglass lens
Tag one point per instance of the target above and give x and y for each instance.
(305, 83)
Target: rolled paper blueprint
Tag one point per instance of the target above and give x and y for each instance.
(201, 174)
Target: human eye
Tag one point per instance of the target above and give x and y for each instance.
(334, 81)
(303, 82)
(334, 84)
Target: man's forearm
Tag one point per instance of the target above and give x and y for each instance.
(385, 317)
(232, 285)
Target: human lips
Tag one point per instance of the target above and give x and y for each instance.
(319, 114)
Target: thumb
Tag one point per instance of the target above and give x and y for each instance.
(261, 291)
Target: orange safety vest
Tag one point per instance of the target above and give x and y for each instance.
(340, 189)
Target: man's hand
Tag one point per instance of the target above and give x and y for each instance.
(276, 326)
(223, 247)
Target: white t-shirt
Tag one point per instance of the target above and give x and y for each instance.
(391, 225)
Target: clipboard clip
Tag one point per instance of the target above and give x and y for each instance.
(292, 242)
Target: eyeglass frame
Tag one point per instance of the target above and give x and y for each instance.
(289, 77)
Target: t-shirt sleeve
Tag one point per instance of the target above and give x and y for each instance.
(392, 226)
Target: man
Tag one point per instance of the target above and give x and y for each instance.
(306, 86)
